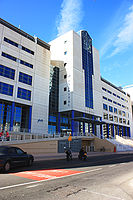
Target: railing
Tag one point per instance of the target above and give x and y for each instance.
(29, 136)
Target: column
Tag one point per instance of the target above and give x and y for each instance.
(30, 117)
(12, 116)
(122, 131)
(101, 129)
(118, 129)
(93, 130)
(129, 132)
(113, 131)
(107, 130)
(126, 130)
(72, 122)
(58, 122)
(84, 125)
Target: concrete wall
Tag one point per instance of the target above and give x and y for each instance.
(98, 144)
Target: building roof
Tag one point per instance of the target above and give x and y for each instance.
(17, 30)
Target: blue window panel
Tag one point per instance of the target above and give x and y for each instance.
(52, 118)
(115, 110)
(114, 94)
(25, 78)
(110, 108)
(9, 56)
(27, 50)
(51, 129)
(105, 107)
(10, 42)
(7, 72)
(26, 64)
(24, 94)
(110, 100)
(105, 98)
(87, 62)
(6, 89)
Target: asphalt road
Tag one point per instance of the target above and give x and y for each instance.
(107, 177)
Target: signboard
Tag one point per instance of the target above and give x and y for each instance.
(70, 138)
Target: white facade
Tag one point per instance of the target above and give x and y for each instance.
(40, 72)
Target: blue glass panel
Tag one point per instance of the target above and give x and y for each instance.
(26, 64)
(6, 89)
(24, 94)
(25, 78)
(52, 118)
(9, 56)
(10, 42)
(87, 61)
(7, 72)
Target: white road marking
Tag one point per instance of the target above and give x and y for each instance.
(106, 195)
(33, 182)
(31, 186)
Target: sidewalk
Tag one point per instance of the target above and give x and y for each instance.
(58, 156)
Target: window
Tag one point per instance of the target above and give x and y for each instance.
(103, 89)
(27, 50)
(65, 53)
(52, 118)
(110, 108)
(8, 56)
(123, 114)
(114, 102)
(119, 112)
(105, 98)
(115, 110)
(25, 78)
(24, 94)
(105, 107)
(124, 121)
(109, 92)
(118, 96)
(65, 76)
(26, 64)
(10, 42)
(64, 102)
(120, 120)
(114, 94)
(119, 104)
(65, 89)
(110, 100)
(105, 116)
(6, 89)
(7, 72)
(115, 119)
(110, 117)
(65, 41)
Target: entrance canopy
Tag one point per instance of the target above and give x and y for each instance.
(88, 120)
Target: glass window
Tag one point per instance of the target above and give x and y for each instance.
(109, 92)
(6, 89)
(7, 72)
(103, 89)
(105, 116)
(65, 76)
(27, 50)
(119, 112)
(105, 107)
(26, 64)
(24, 94)
(10, 42)
(110, 108)
(110, 117)
(114, 94)
(52, 118)
(65, 89)
(9, 56)
(65, 53)
(110, 100)
(115, 119)
(124, 121)
(123, 113)
(115, 110)
(25, 78)
(120, 120)
(105, 98)
(64, 102)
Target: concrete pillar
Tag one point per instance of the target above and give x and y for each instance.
(30, 118)
(12, 116)
(72, 122)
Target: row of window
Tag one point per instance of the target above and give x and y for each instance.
(110, 100)
(114, 94)
(115, 118)
(18, 45)
(10, 73)
(115, 110)
(17, 60)
(8, 90)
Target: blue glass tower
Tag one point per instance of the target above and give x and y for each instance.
(87, 62)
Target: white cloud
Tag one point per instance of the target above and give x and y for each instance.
(70, 16)
(125, 36)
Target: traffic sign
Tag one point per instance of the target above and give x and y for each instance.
(70, 138)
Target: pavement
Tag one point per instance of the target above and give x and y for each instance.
(58, 156)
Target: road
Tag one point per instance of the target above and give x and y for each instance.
(107, 177)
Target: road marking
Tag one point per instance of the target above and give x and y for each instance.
(34, 182)
(31, 186)
(106, 195)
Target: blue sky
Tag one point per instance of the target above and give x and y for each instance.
(109, 23)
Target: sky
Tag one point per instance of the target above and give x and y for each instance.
(108, 22)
